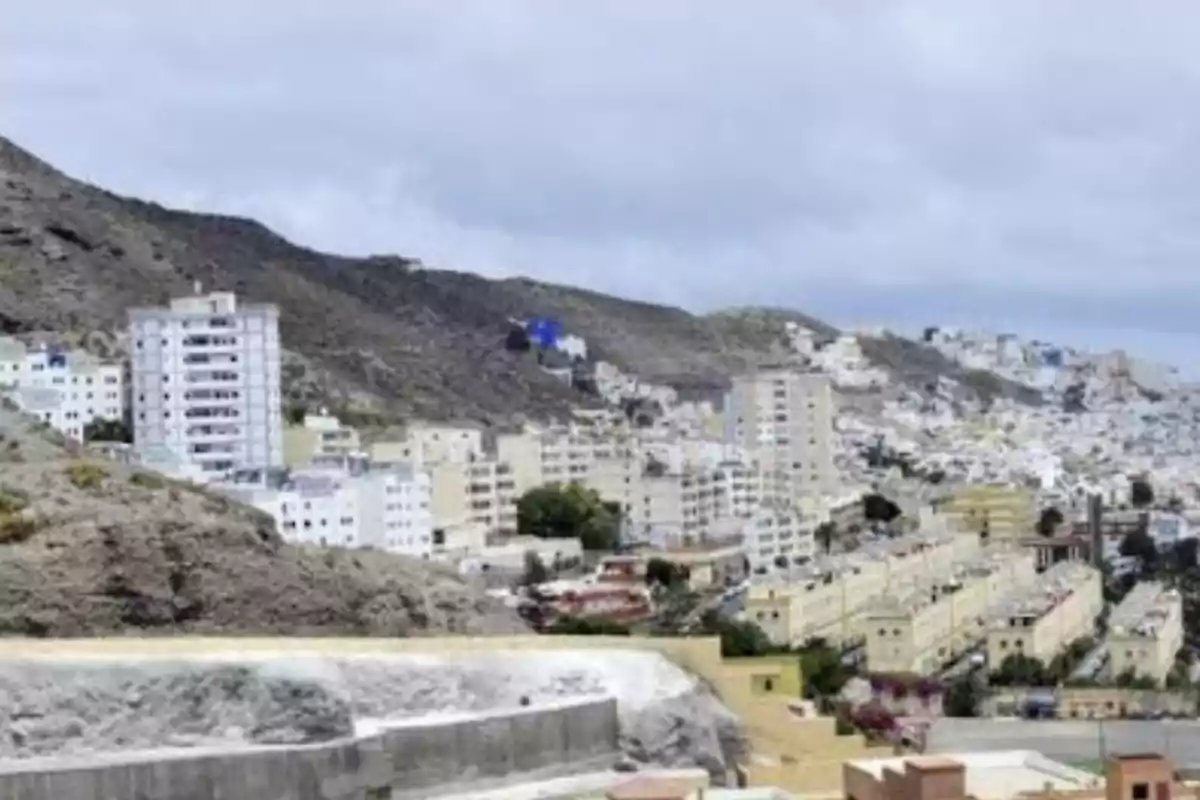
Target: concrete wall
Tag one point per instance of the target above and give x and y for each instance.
(398, 762)
(800, 755)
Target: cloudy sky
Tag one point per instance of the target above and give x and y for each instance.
(1025, 165)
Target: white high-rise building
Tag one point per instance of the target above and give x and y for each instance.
(205, 382)
(787, 414)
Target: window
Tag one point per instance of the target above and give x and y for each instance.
(1140, 791)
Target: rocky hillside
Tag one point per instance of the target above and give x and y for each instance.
(380, 334)
(91, 547)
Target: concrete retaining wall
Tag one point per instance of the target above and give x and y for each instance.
(396, 762)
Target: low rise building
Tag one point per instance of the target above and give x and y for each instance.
(1001, 775)
(425, 443)
(827, 598)
(921, 625)
(318, 435)
(619, 602)
(1043, 618)
(352, 504)
(65, 389)
(1146, 631)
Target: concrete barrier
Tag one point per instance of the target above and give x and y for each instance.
(400, 760)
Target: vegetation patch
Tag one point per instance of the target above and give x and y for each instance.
(15, 525)
(147, 480)
(85, 475)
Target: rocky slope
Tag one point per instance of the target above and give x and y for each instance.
(667, 717)
(90, 547)
(377, 335)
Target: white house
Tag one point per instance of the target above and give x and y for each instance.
(348, 504)
(65, 389)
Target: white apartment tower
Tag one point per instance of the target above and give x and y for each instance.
(787, 414)
(205, 382)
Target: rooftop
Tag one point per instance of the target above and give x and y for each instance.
(1051, 588)
(1143, 611)
(914, 596)
(994, 776)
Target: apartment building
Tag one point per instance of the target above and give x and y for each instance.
(318, 435)
(994, 513)
(425, 443)
(353, 503)
(1146, 631)
(577, 453)
(778, 537)
(671, 511)
(1043, 618)
(737, 489)
(788, 415)
(920, 625)
(65, 389)
(829, 597)
(492, 494)
(483, 493)
(205, 381)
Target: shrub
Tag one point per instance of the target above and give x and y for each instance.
(85, 475)
(147, 480)
(17, 528)
(12, 501)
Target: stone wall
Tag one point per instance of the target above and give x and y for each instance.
(398, 762)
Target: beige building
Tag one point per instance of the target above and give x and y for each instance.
(1146, 631)
(1039, 622)
(921, 625)
(829, 597)
(428, 443)
(994, 513)
(789, 414)
(319, 435)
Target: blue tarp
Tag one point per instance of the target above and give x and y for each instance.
(543, 331)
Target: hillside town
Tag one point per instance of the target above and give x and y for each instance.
(954, 554)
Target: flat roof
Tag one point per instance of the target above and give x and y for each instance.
(994, 776)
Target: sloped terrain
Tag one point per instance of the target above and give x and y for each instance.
(376, 335)
(89, 547)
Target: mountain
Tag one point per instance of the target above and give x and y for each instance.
(380, 336)
(91, 547)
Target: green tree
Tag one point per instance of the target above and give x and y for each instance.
(878, 508)
(557, 511)
(824, 535)
(739, 638)
(666, 573)
(1021, 670)
(107, 430)
(823, 671)
(1141, 493)
(963, 697)
(1139, 544)
(535, 570)
(1049, 521)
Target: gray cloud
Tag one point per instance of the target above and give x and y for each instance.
(680, 150)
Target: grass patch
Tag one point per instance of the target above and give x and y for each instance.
(147, 480)
(85, 475)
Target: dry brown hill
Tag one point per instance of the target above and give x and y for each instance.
(379, 334)
(91, 547)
